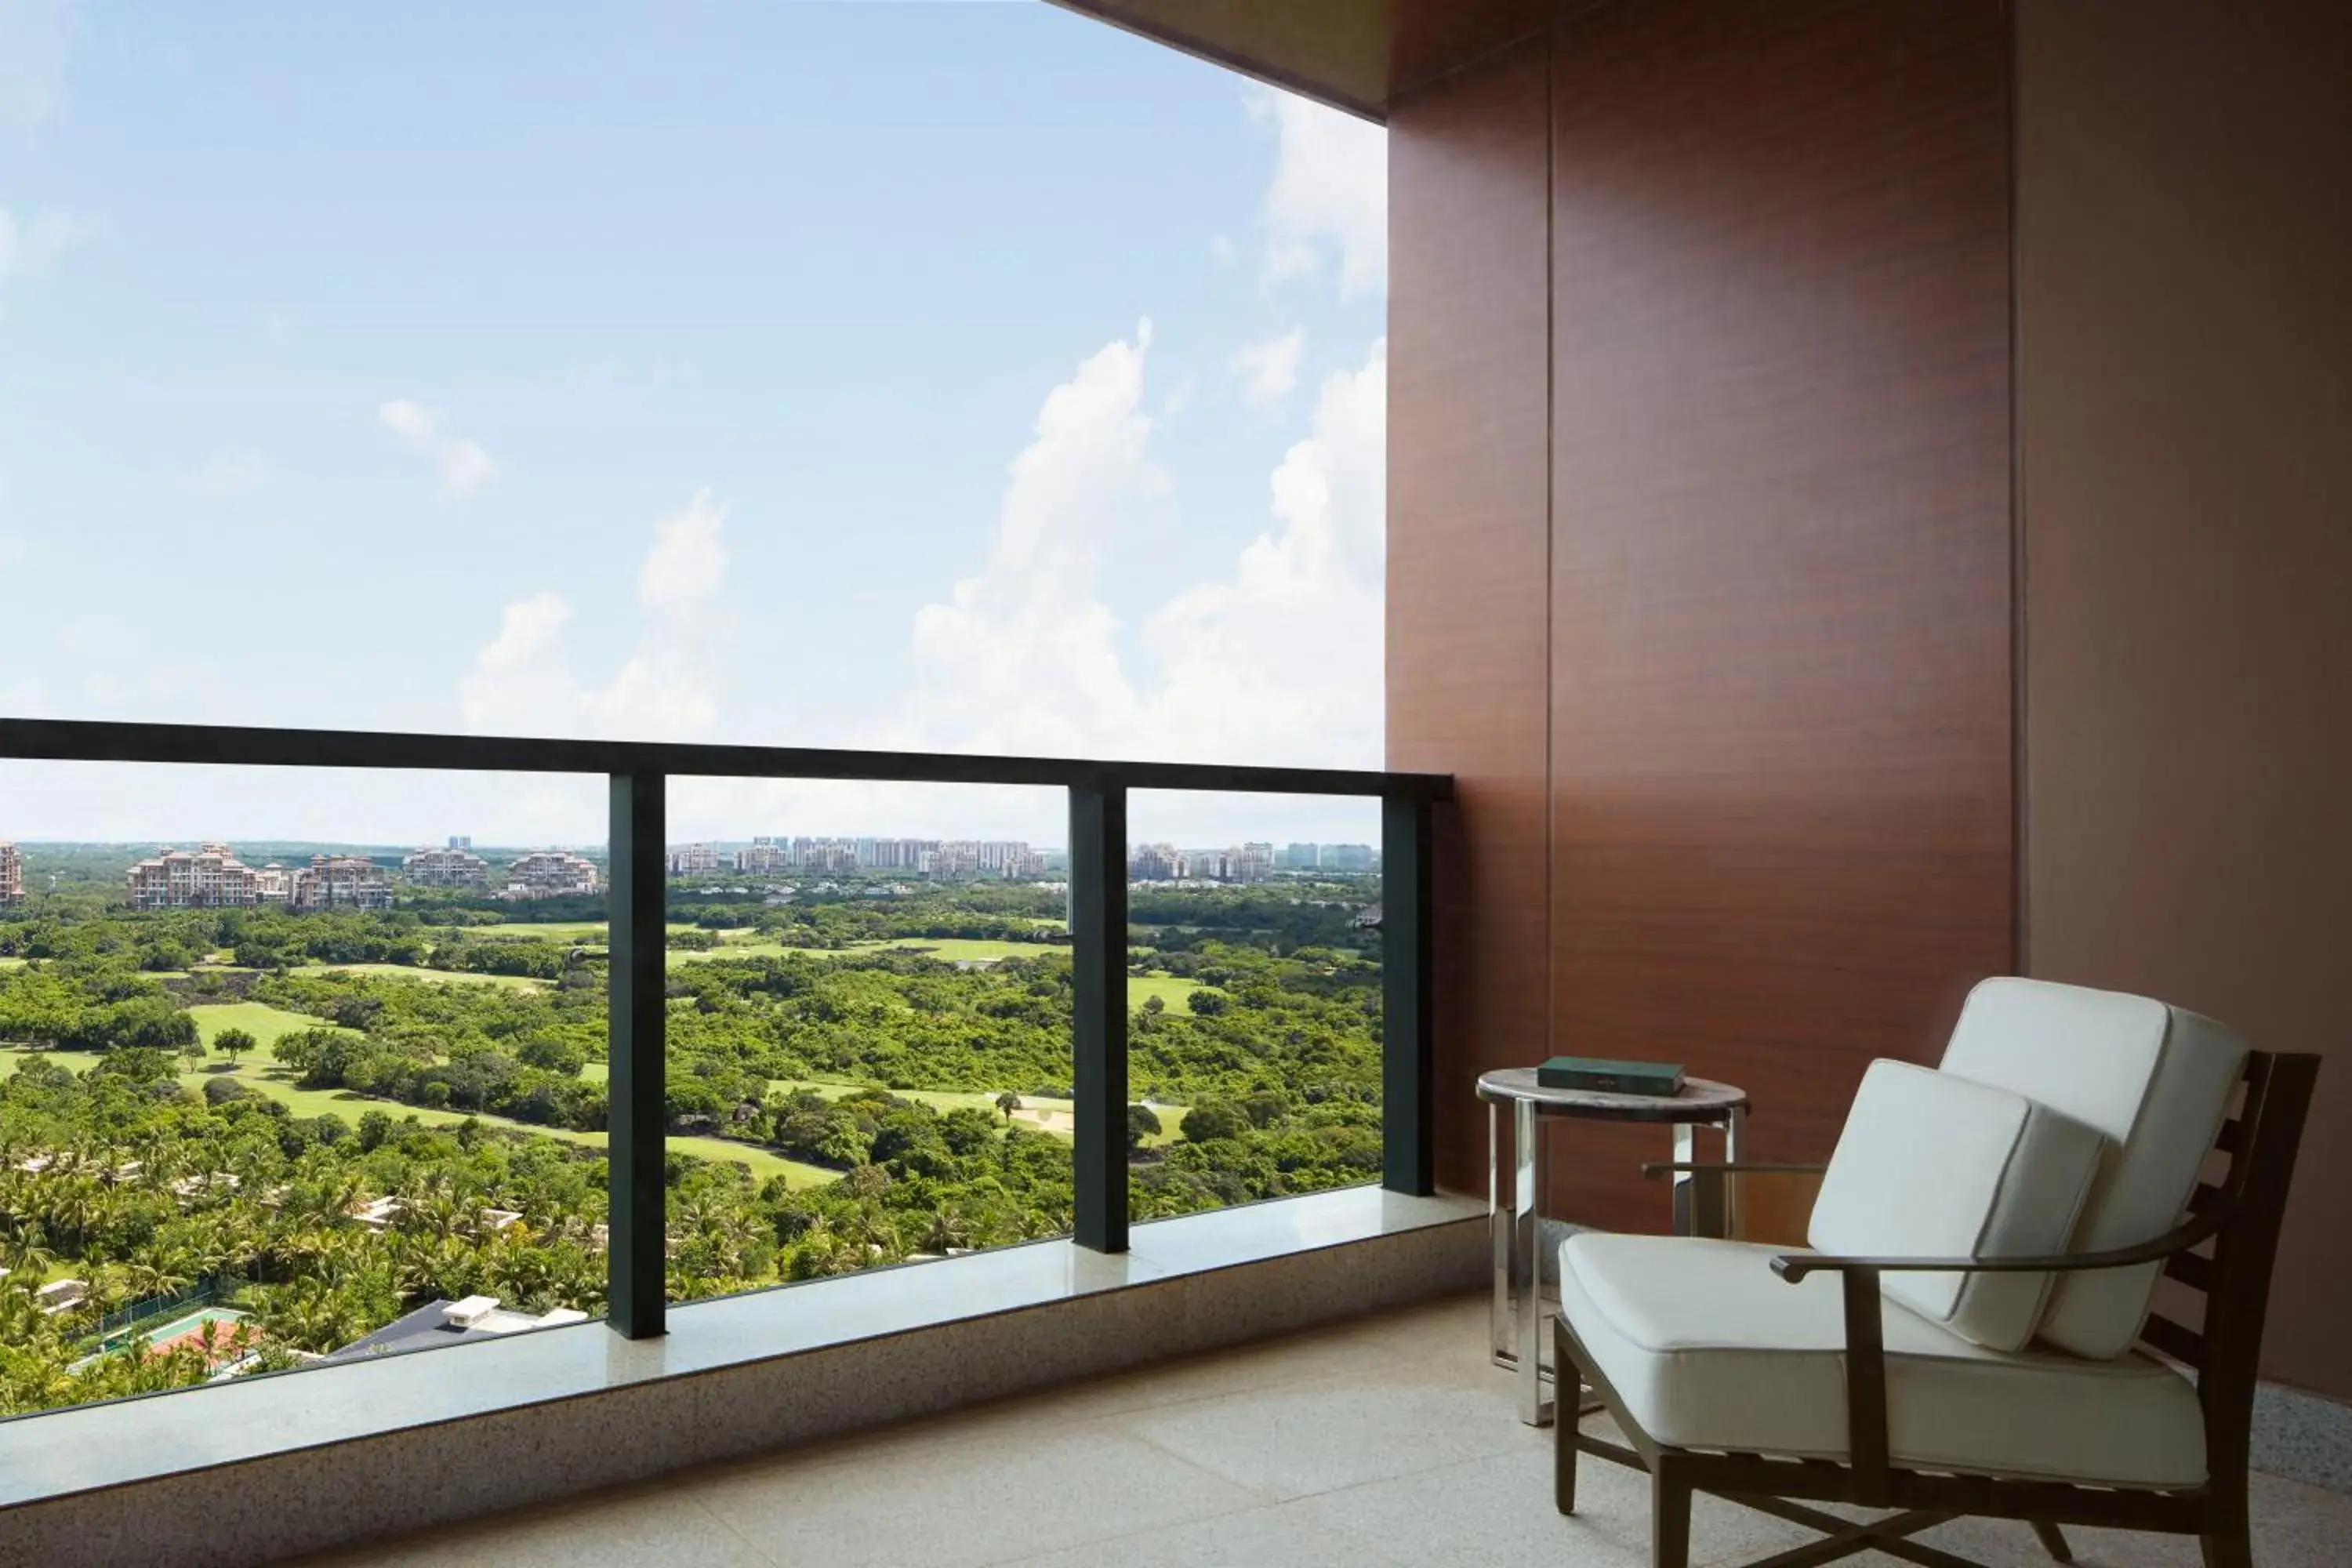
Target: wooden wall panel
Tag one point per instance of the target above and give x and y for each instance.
(1467, 665)
(2185, 386)
(1781, 756)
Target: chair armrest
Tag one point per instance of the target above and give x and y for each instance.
(1793, 1266)
(1653, 1169)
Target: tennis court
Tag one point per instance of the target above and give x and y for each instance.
(189, 1330)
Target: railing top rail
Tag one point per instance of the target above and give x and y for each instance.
(70, 740)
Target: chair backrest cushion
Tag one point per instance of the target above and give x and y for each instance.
(1931, 1166)
(2155, 1079)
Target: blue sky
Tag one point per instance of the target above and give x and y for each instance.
(967, 376)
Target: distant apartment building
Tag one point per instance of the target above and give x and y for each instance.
(837, 855)
(342, 882)
(549, 874)
(954, 858)
(1350, 857)
(210, 878)
(461, 841)
(1156, 863)
(1300, 858)
(896, 854)
(694, 861)
(12, 875)
(1252, 862)
(765, 858)
(451, 867)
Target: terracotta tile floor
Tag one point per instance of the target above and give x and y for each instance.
(1389, 1441)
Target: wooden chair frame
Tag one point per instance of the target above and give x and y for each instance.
(2239, 1218)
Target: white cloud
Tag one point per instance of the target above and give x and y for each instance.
(1021, 657)
(521, 679)
(1277, 663)
(33, 38)
(1281, 662)
(1330, 194)
(1268, 370)
(27, 247)
(462, 464)
(522, 682)
(227, 477)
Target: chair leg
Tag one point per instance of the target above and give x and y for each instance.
(1670, 1512)
(1563, 1425)
(2229, 1547)
(2052, 1541)
(2227, 1542)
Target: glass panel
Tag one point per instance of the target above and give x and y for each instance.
(868, 1028)
(1253, 1045)
(269, 1100)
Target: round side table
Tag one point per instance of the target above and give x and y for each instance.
(1516, 1314)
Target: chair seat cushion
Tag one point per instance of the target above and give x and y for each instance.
(1708, 1348)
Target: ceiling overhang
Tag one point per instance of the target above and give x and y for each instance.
(1354, 55)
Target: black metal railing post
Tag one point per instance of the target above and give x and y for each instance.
(1407, 954)
(1099, 999)
(636, 985)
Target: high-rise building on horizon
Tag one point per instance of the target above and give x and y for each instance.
(342, 882)
(694, 859)
(549, 874)
(450, 868)
(1156, 863)
(208, 878)
(11, 874)
(461, 841)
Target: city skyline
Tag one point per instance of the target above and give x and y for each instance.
(1285, 855)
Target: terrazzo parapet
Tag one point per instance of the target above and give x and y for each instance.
(287, 1503)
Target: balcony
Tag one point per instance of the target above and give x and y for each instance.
(1382, 1441)
(1862, 514)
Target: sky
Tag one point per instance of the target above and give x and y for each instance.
(950, 376)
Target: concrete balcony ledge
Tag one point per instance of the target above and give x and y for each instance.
(245, 1471)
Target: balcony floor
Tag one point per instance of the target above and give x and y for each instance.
(1388, 1441)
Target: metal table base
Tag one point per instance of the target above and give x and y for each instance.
(1517, 1318)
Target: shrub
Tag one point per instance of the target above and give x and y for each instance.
(221, 1091)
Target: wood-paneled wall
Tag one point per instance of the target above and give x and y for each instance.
(1468, 655)
(1767, 684)
(2185, 386)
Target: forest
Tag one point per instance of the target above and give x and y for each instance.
(209, 1107)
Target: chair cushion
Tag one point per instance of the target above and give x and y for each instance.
(1931, 1166)
(2156, 1081)
(1707, 1349)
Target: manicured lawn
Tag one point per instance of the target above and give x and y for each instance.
(266, 1023)
(277, 1084)
(14, 962)
(436, 976)
(970, 950)
(947, 949)
(1039, 1113)
(553, 930)
(14, 1056)
(1170, 990)
(731, 950)
(556, 930)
